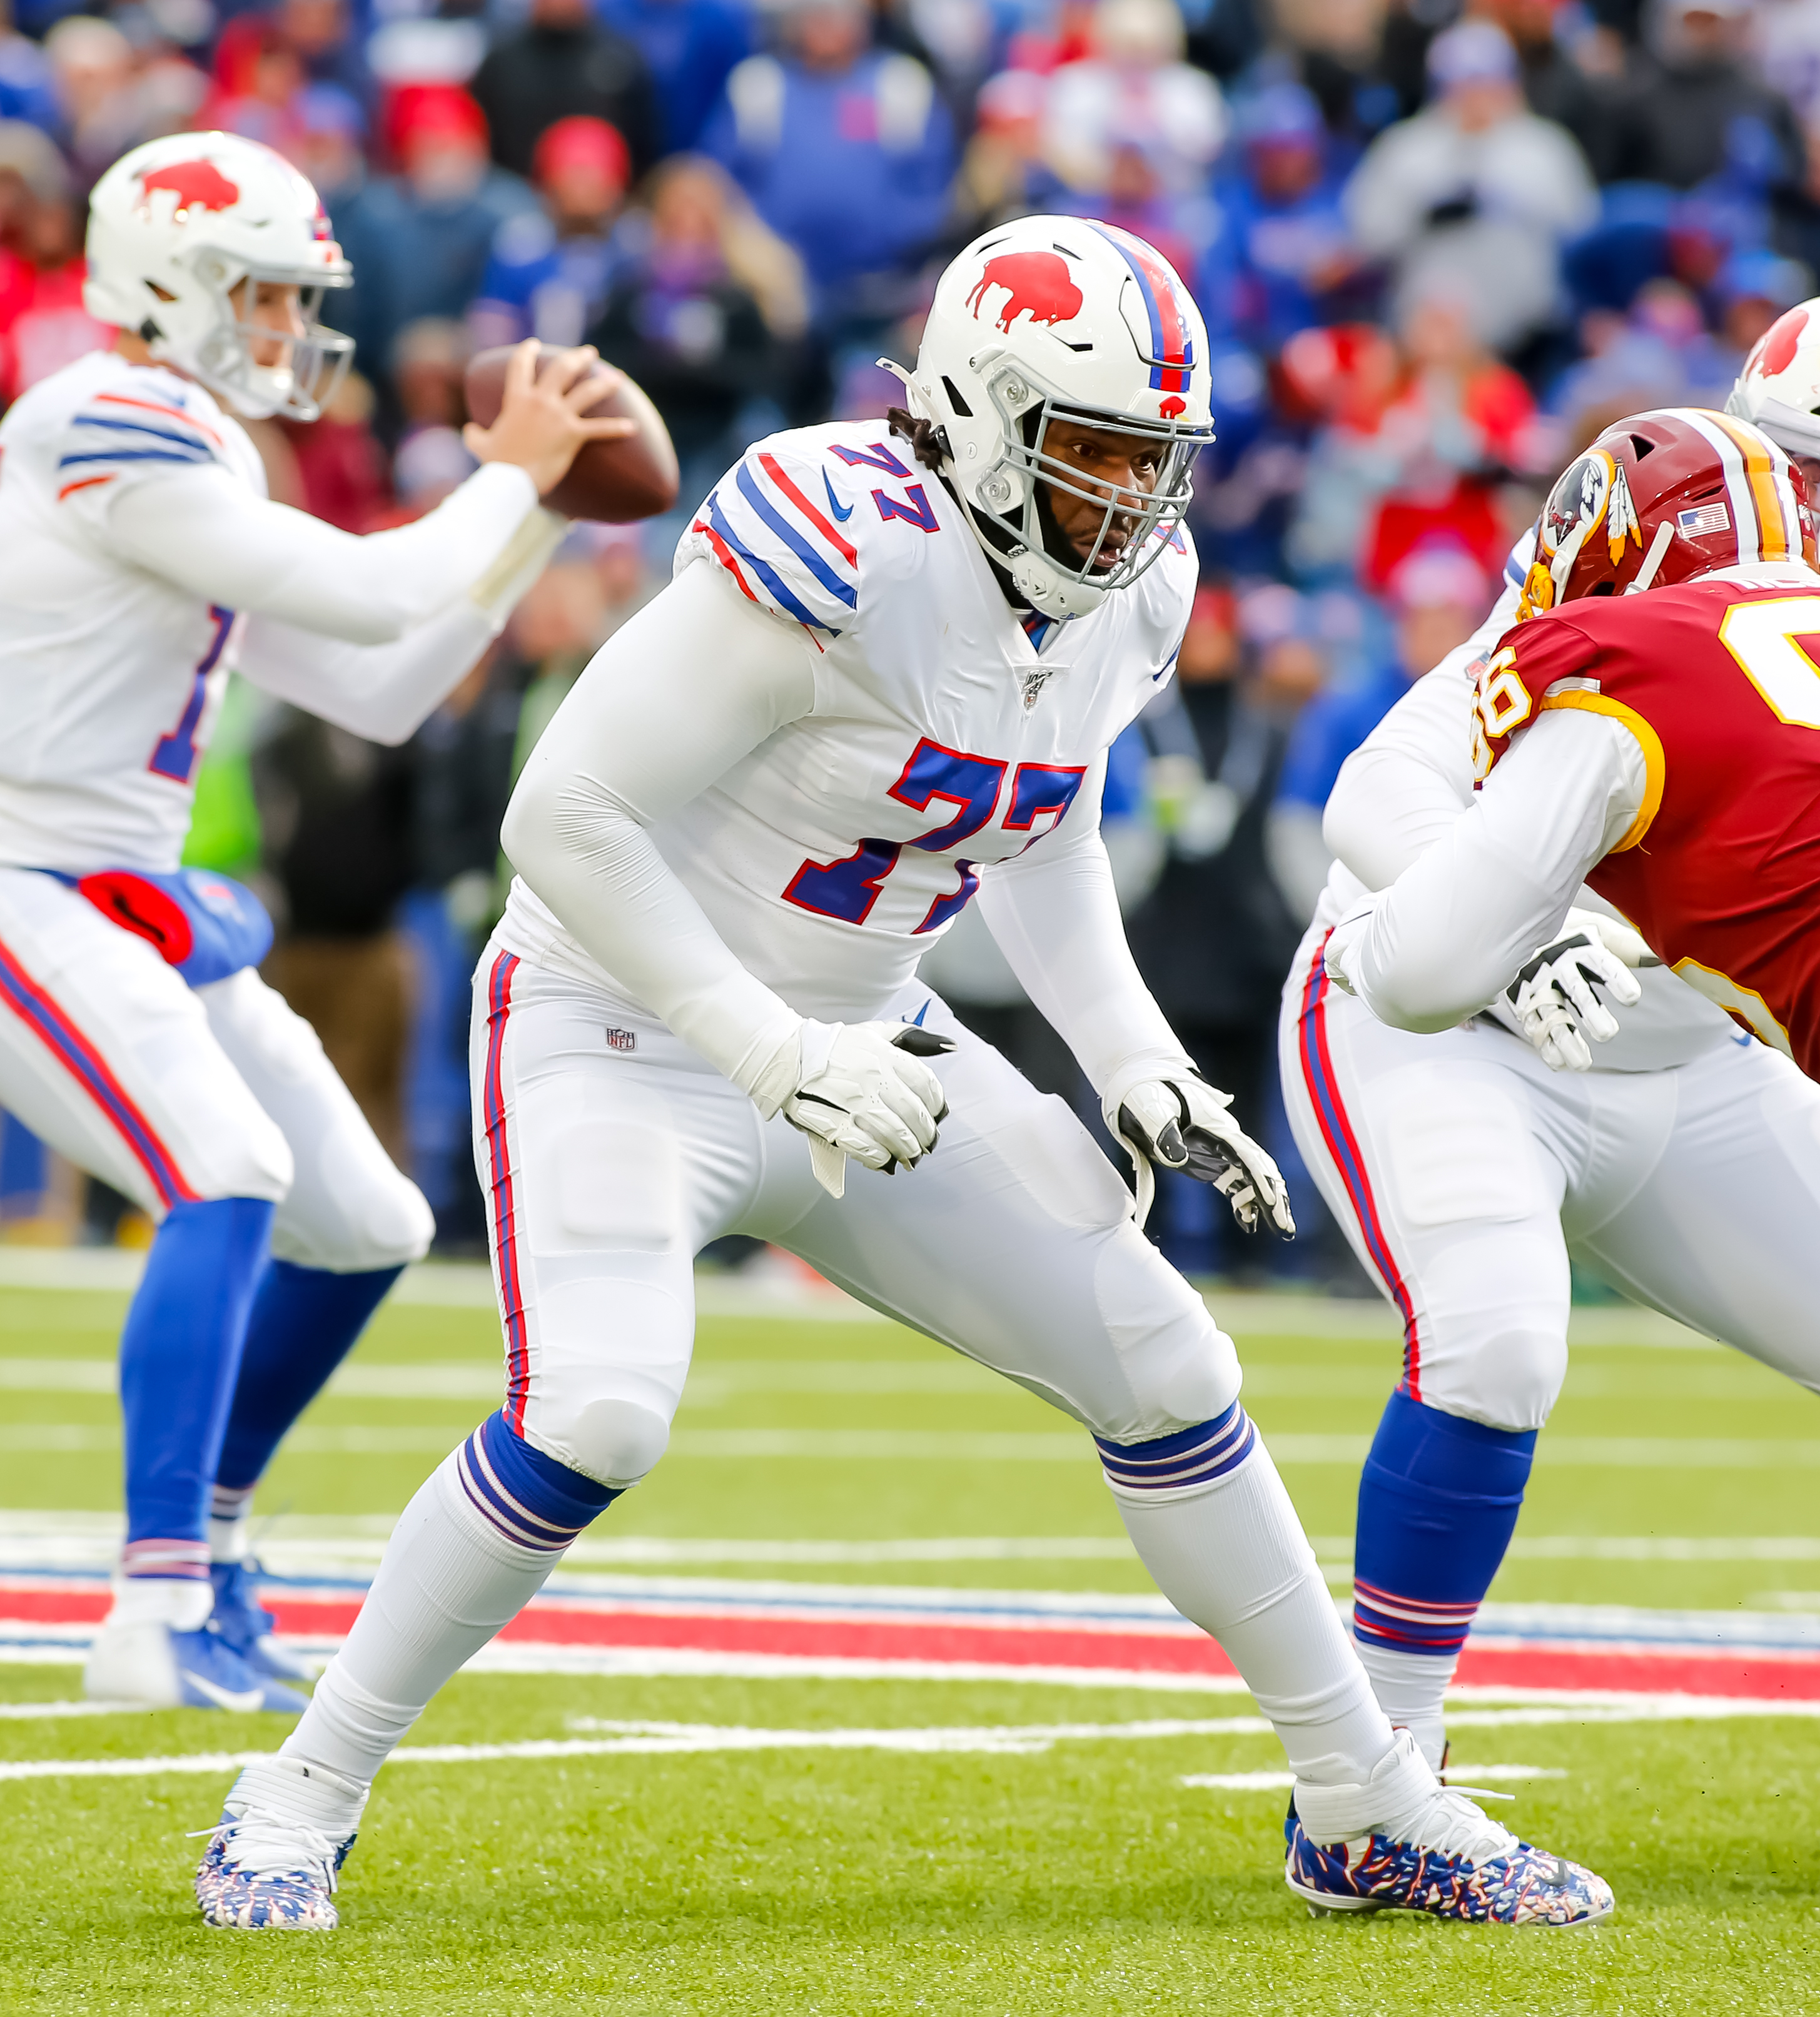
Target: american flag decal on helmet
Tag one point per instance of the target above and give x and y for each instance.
(1702, 519)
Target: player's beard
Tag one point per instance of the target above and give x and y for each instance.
(1062, 550)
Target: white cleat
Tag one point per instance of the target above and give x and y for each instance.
(274, 1860)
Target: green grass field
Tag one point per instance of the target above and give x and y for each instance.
(1081, 1877)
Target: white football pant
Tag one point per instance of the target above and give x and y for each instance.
(612, 1153)
(169, 1092)
(1465, 1173)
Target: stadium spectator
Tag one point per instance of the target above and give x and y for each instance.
(560, 63)
(1475, 187)
(1134, 91)
(340, 464)
(91, 70)
(1439, 594)
(1002, 174)
(1284, 258)
(847, 152)
(257, 77)
(1216, 936)
(1692, 105)
(1555, 86)
(687, 317)
(43, 324)
(1661, 354)
(25, 76)
(550, 273)
(425, 235)
(336, 812)
(690, 48)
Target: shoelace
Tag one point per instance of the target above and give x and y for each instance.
(264, 1844)
(1451, 1825)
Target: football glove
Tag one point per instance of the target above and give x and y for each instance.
(1555, 999)
(1185, 1125)
(864, 1091)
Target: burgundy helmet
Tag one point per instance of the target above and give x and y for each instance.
(1666, 496)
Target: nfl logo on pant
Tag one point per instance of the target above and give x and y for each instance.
(622, 1040)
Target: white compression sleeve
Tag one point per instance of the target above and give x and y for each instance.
(1056, 918)
(1411, 777)
(694, 683)
(1453, 927)
(386, 692)
(204, 530)
(1402, 788)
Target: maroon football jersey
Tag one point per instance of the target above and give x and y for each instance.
(1720, 870)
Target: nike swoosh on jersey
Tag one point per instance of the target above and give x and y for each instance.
(243, 1703)
(842, 512)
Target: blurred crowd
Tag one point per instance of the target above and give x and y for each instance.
(1438, 244)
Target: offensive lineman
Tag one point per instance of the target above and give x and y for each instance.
(139, 559)
(875, 686)
(1685, 1164)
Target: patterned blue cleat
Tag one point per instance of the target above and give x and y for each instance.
(1443, 1855)
(272, 1861)
(246, 1626)
(160, 1667)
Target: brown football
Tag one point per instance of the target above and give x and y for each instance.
(615, 481)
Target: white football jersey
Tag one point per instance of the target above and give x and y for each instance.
(944, 736)
(110, 678)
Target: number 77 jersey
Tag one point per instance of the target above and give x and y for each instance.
(943, 737)
(1718, 680)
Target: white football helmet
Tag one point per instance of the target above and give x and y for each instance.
(175, 225)
(1779, 389)
(1061, 318)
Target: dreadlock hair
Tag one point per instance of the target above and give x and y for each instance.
(928, 440)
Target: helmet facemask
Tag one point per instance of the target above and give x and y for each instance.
(310, 366)
(1008, 505)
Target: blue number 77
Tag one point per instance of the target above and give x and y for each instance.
(847, 889)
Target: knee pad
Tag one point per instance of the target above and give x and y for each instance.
(1180, 1368)
(614, 1442)
(1506, 1372)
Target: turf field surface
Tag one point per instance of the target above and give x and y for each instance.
(733, 1843)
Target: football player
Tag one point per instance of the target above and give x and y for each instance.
(883, 681)
(1684, 1166)
(139, 559)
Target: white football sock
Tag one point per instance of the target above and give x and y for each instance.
(183, 1603)
(448, 1583)
(1234, 1558)
(227, 1524)
(1411, 1688)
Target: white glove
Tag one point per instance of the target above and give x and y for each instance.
(1554, 996)
(861, 1090)
(1183, 1123)
(1343, 940)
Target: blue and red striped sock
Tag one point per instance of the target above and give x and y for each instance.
(1437, 1503)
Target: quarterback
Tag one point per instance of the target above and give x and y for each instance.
(1684, 1165)
(882, 683)
(140, 560)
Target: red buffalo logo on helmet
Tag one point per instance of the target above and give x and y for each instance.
(1776, 352)
(1037, 284)
(1172, 408)
(196, 185)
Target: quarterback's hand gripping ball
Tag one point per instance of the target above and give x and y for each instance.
(1185, 1125)
(865, 1092)
(1555, 996)
(618, 476)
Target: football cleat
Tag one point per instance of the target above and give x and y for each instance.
(1447, 1858)
(274, 1858)
(246, 1626)
(159, 1667)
